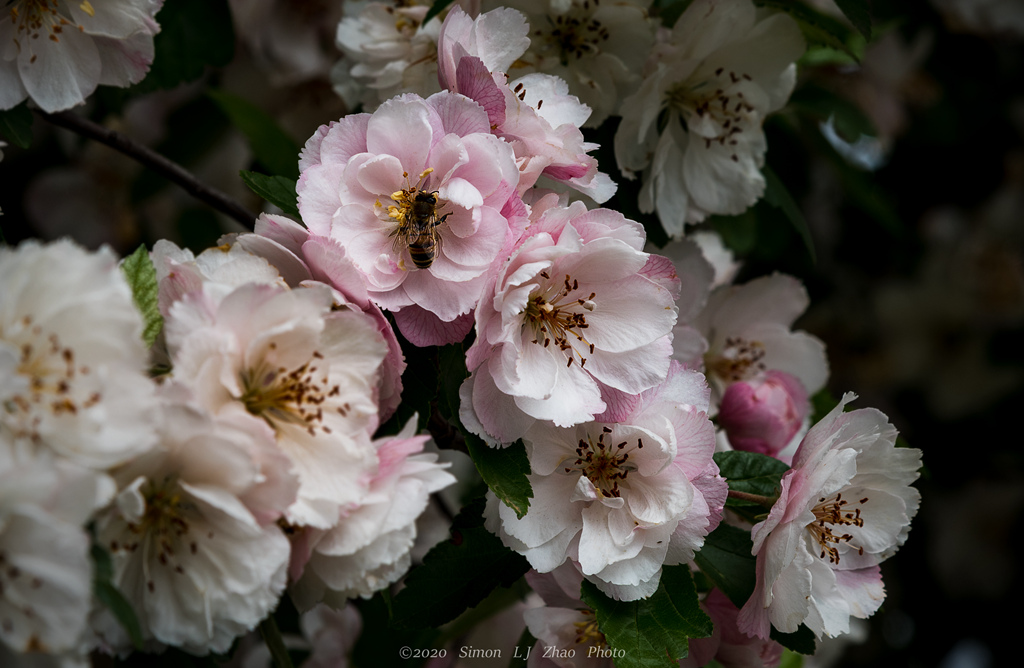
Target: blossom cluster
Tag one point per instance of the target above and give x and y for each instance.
(242, 457)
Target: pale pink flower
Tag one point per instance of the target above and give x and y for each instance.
(535, 114)
(292, 43)
(56, 53)
(621, 499)
(578, 307)
(72, 362)
(369, 548)
(727, 645)
(284, 357)
(301, 258)
(46, 579)
(415, 194)
(745, 331)
(845, 506)
(694, 126)
(564, 622)
(764, 414)
(192, 534)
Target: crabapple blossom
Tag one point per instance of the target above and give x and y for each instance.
(46, 574)
(597, 48)
(292, 42)
(369, 547)
(621, 499)
(728, 645)
(844, 507)
(564, 621)
(192, 534)
(744, 331)
(284, 357)
(416, 175)
(56, 53)
(763, 414)
(302, 257)
(535, 113)
(577, 308)
(724, 69)
(388, 51)
(72, 360)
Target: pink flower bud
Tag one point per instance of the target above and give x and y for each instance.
(762, 415)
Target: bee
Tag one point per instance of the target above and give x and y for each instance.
(419, 229)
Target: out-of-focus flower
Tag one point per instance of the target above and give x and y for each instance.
(621, 499)
(284, 357)
(763, 414)
(599, 49)
(58, 52)
(577, 308)
(189, 548)
(388, 51)
(746, 331)
(727, 645)
(535, 113)
(369, 547)
(723, 70)
(291, 41)
(845, 506)
(415, 193)
(72, 361)
(46, 574)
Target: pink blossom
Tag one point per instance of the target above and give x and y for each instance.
(622, 499)
(728, 645)
(367, 179)
(535, 114)
(572, 311)
(845, 506)
(763, 414)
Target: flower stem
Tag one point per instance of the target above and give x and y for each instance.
(169, 169)
(765, 501)
(275, 643)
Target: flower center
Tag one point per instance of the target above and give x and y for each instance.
(830, 514)
(33, 18)
(573, 34)
(587, 631)
(739, 360)
(555, 316)
(280, 396)
(164, 525)
(716, 100)
(51, 372)
(604, 464)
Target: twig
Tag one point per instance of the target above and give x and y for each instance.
(158, 163)
(765, 501)
(275, 643)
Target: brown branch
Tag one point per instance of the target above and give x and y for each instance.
(169, 169)
(765, 501)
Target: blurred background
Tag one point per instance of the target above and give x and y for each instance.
(908, 167)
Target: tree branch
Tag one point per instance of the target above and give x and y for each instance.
(170, 170)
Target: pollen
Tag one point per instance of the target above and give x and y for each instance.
(587, 631)
(605, 464)
(829, 515)
(557, 313)
(290, 396)
(739, 360)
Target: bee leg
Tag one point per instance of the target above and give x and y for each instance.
(441, 219)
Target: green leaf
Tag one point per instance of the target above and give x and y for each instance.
(435, 9)
(111, 598)
(141, 276)
(278, 190)
(750, 472)
(739, 233)
(451, 372)
(381, 646)
(272, 147)
(16, 125)
(193, 34)
(818, 29)
(776, 194)
(802, 640)
(652, 632)
(791, 659)
(457, 574)
(859, 13)
(504, 470)
(726, 560)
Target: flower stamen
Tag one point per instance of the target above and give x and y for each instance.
(838, 512)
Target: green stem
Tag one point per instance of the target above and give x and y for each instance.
(275, 643)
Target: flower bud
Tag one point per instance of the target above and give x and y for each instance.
(763, 414)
